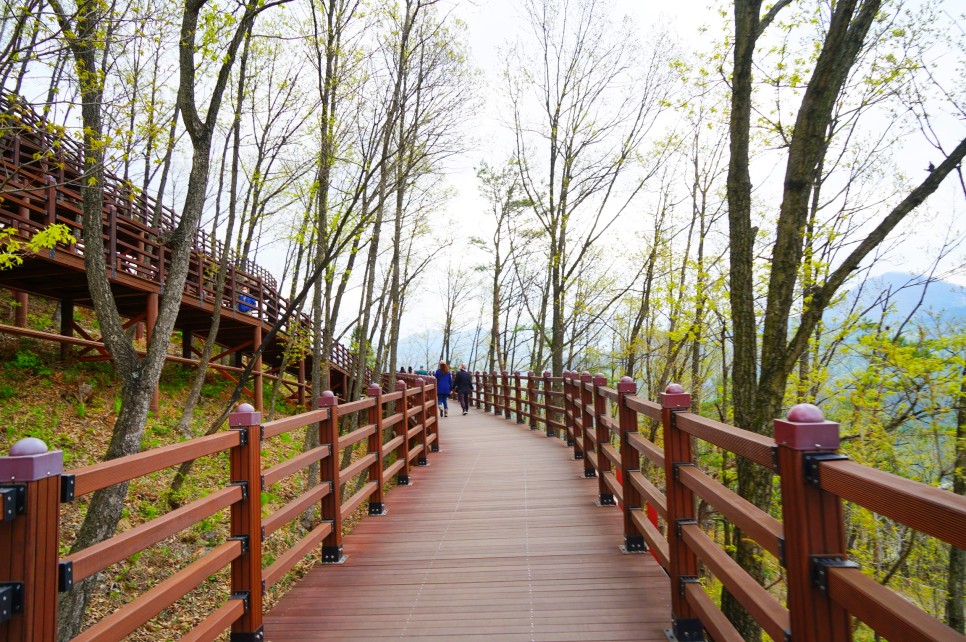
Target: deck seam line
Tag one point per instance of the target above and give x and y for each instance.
(439, 546)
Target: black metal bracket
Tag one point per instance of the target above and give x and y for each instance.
(244, 488)
(589, 473)
(11, 600)
(813, 463)
(820, 564)
(534, 427)
(402, 480)
(677, 466)
(683, 522)
(244, 542)
(683, 582)
(634, 544)
(67, 485)
(244, 596)
(257, 635)
(242, 435)
(434, 447)
(13, 501)
(65, 576)
(377, 508)
(333, 555)
(688, 629)
(775, 466)
(606, 499)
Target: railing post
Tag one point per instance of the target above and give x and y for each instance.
(330, 470)
(113, 258)
(547, 402)
(375, 446)
(402, 428)
(29, 532)
(586, 400)
(485, 391)
(683, 563)
(422, 419)
(246, 522)
(431, 400)
(518, 396)
(568, 406)
(605, 496)
(50, 198)
(477, 391)
(531, 399)
(630, 463)
(257, 372)
(814, 526)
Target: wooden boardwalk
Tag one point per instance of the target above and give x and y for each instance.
(500, 539)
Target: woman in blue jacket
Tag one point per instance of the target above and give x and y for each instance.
(444, 385)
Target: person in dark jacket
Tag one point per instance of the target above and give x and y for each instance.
(463, 384)
(444, 386)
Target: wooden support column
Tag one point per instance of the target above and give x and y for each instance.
(485, 391)
(150, 319)
(29, 533)
(604, 496)
(374, 445)
(402, 429)
(301, 386)
(683, 563)
(814, 526)
(505, 382)
(331, 473)
(246, 521)
(585, 399)
(66, 325)
(186, 344)
(630, 463)
(257, 373)
(23, 306)
(568, 409)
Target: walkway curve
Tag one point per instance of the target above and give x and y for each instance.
(499, 540)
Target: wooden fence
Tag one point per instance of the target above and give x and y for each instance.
(825, 590)
(399, 429)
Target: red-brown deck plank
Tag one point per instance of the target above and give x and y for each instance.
(499, 539)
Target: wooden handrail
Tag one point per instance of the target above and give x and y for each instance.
(813, 613)
(44, 571)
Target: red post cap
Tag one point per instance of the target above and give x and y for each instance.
(327, 399)
(547, 374)
(674, 397)
(373, 390)
(806, 429)
(400, 385)
(30, 460)
(600, 379)
(586, 377)
(244, 415)
(627, 386)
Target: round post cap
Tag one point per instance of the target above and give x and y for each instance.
(627, 385)
(28, 446)
(806, 429)
(327, 398)
(674, 397)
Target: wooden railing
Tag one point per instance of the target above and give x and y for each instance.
(41, 170)
(398, 428)
(658, 501)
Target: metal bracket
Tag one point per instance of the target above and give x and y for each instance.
(242, 435)
(11, 600)
(781, 551)
(257, 635)
(244, 487)
(633, 544)
(683, 522)
(813, 463)
(13, 501)
(67, 484)
(65, 576)
(677, 465)
(333, 555)
(244, 542)
(820, 564)
(688, 629)
(683, 582)
(377, 508)
(244, 596)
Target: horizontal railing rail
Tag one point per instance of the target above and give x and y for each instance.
(363, 445)
(658, 486)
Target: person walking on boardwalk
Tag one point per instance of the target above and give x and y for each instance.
(463, 383)
(444, 385)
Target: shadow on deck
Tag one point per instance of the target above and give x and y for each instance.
(502, 541)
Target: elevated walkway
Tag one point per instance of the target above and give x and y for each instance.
(502, 540)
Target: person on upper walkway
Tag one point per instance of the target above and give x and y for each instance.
(444, 385)
(463, 384)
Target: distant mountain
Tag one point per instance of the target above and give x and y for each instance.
(904, 292)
